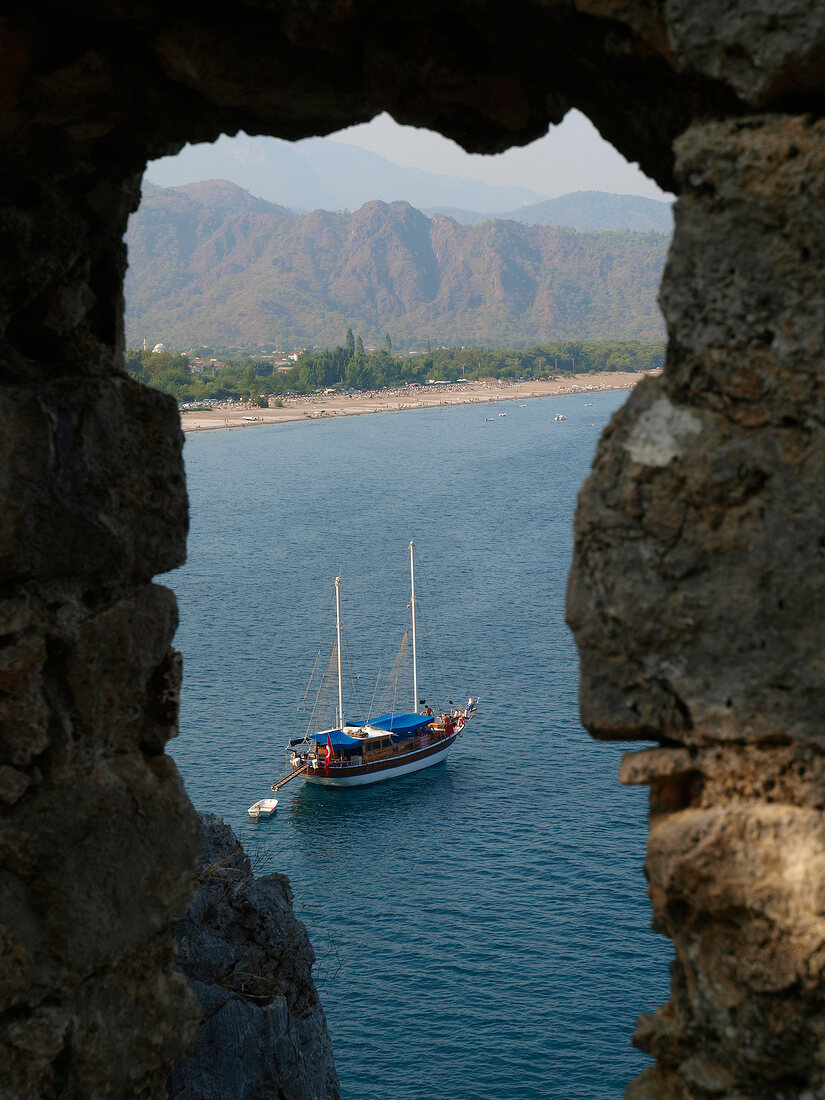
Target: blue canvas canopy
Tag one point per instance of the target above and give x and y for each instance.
(397, 722)
(338, 739)
(402, 725)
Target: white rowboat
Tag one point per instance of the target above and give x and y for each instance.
(264, 807)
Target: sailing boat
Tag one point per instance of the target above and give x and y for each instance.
(352, 754)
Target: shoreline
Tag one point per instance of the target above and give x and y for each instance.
(230, 415)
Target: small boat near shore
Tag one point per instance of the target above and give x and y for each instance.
(351, 754)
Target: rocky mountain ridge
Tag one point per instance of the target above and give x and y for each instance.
(209, 263)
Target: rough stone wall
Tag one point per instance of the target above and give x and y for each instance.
(697, 599)
(696, 593)
(92, 813)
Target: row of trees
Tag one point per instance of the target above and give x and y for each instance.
(242, 380)
(351, 367)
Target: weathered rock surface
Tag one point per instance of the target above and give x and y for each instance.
(697, 588)
(736, 866)
(699, 566)
(249, 960)
(88, 698)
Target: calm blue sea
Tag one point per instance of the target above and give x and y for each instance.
(481, 928)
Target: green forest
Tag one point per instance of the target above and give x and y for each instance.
(350, 368)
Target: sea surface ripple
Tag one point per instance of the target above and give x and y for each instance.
(481, 928)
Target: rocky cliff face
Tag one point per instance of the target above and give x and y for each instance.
(249, 961)
(696, 592)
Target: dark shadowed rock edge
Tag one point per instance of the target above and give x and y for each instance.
(249, 961)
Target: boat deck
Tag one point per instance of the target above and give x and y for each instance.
(379, 754)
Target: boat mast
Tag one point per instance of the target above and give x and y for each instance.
(412, 606)
(338, 632)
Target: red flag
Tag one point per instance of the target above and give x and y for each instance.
(327, 754)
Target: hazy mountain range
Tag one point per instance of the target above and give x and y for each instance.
(211, 264)
(586, 211)
(331, 175)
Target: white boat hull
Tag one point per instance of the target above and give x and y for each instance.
(376, 773)
(264, 808)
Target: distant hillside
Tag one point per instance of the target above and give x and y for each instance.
(210, 264)
(587, 211)
(320, 174)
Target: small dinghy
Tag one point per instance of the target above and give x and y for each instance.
(265, 807)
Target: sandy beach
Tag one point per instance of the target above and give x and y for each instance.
(401, 399)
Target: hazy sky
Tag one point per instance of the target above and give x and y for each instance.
(571, 157)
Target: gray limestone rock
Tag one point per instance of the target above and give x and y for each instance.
(696, 596)
(249, 960)
(767, 50)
